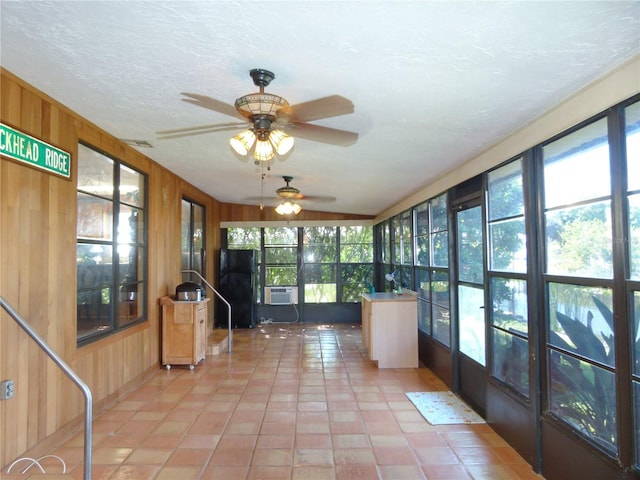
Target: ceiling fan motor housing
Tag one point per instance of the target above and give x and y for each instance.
(262, 126)
(288, 191)
(261, 108)
(261, 77)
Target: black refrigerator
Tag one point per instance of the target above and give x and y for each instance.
(237, 284)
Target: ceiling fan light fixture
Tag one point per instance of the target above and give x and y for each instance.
(282, 142)
(288, 208)
(243, 142)
(260, 104)
(264, 151)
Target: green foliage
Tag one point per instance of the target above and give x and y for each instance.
(321, 264)
(470, 245)
(583, 394)
(510, 357)
(586, 248)
(244, 238)
(598, 211)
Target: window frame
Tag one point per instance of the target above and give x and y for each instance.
(121, 300)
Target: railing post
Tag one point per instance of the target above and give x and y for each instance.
(88, 402)
(221, 298)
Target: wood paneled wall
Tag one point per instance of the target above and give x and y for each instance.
(38, 277)
(38, 274)
(232, 212)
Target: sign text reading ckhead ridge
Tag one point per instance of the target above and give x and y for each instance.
(25, 148)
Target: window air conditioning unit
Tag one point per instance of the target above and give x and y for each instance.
(280, 295)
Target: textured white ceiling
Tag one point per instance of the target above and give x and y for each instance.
(433, 82)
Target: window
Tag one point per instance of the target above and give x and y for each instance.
(281, 256)
(507, 277)
(243, 238)
(337, 261)
(421, 262)
(421, 234)
(406, 238)
(632, 134)
(439, 261)
(356, 262)
(635, 352)
(578, 219)
(111, 245)
(240, 238)
(470, 257)
(562, 225)
(405, 270)
(429, 260)
(193, 239)
(320, 264)
(383, 243)
(579, 269)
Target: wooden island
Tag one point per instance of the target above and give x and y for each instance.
(184, 331)
(390, 328)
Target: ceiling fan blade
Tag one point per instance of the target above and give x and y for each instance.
(262, 199)
(211, 103)
(326, 107)
(202, 127)
(191, 133)
(318, 133)
(318, 198)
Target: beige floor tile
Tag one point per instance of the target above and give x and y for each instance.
(148, 456)
(356, 472)
(446, 472)
(290, 402)
(404, 472)
(182, 473)
(110, 455)
(272, 457)
(354, 456)
(436, 456)
(189, 456)
(306, 472)
(261, 472)
(312, 456)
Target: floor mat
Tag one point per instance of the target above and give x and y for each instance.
(440, 408)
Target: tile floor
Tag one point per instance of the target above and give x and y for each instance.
(290, 402)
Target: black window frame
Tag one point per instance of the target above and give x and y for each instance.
(119, 294)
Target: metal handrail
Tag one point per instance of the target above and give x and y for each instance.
(221, 298)
(88, 405)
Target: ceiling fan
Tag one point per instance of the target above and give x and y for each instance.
(288, 197)
(271, 122)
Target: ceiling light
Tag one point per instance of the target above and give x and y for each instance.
(287, 208)
(264, 151)
(267, 141)
(243, 142)
(261, 109)
(281, 141)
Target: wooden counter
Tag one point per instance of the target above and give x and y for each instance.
(390, 328)
(184, 332)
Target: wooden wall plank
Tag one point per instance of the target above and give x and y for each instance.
(38, 275)
(233, 212)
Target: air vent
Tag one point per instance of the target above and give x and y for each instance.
(136, 143)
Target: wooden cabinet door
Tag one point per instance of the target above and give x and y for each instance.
(366, 324)
(184, 332)
(201, 332)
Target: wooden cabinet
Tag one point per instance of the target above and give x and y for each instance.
(390, 328)
(184, 332)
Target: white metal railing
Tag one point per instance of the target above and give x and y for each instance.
(88, 404)
(221, 298)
